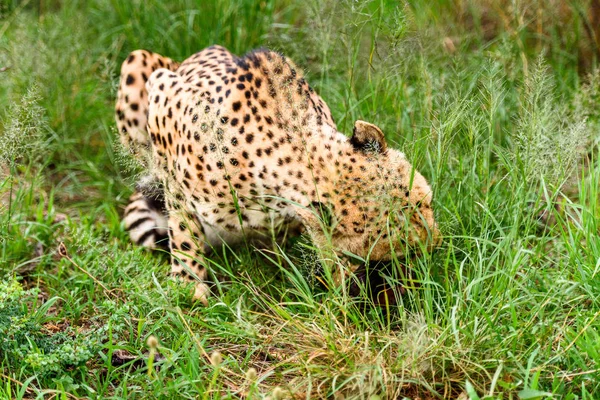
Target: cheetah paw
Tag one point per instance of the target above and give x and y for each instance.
(201, 292)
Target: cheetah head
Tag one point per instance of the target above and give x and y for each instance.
(378, 205)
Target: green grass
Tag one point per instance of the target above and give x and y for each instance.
(498, 107)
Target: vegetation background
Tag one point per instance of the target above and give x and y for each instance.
(497, 103)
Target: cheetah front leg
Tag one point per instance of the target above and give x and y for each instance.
(186, 241)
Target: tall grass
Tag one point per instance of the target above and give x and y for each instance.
(504, 125)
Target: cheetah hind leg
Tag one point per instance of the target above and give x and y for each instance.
(131, 108)
(145, 216)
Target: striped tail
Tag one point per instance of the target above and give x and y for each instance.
(146, 221)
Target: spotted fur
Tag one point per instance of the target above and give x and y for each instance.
(243, 145)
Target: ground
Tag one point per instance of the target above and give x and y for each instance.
(496, 104)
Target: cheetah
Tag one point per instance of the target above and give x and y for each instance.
(236, 147)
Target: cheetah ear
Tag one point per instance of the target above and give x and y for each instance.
(368, 138)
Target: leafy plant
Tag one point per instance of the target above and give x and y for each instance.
(32, 342)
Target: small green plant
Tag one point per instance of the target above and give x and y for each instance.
(30, 339)
(550, 137)
(23, 126)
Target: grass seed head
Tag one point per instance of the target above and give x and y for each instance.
(251, 375)
(216, 358)
(278, 393)
(152, 342)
